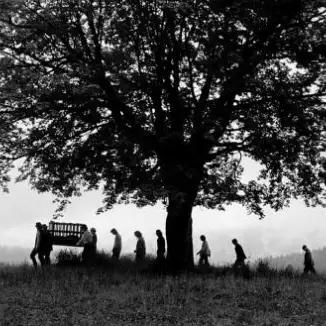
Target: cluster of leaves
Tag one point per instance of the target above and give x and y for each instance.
(144, 99)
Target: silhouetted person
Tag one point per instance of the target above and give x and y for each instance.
(160, 245)
(204, 252)
(240, 255)
(140, 247)
(94, 240)
(37, 246)
(117, 244)
(86, 240)
(308, 261)
(46, 244)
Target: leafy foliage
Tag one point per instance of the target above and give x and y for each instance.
(148, 100)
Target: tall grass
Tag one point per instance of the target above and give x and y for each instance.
(119, 293)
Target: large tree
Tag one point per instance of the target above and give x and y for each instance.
(156, 99)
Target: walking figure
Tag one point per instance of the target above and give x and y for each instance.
(204, 252)
(160, 245)
(308, 261)
(94, 240)
(86, 240)
(140, 247)
(240, 257)
(37, 246)
(46, 245)
(117, 246)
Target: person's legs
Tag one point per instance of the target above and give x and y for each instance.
(32, 256)
(47, 259)
(311, 269)
(139, 257)
(159, 262)
(92, 254)
(115, 253)
(236, 264)
(88, 254)
(238, 267)
(306, 269)
(160, 256)
(41, 258)
(203, 260)
(85, 255)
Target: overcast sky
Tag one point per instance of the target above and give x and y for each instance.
(279, 233)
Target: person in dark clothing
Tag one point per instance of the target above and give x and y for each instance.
(37, 246)
(94, 240)
(117, 244)
(46, 245)
(86, 240)
(240, 255)
(309, 264)
(160, 245)
(140, 247)
(204, 252)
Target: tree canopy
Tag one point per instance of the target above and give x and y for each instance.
(148, 99)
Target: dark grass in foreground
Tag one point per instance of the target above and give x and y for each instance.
(119, 294)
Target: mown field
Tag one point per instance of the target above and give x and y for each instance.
(121, 295)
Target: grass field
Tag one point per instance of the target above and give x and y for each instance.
(121, 295)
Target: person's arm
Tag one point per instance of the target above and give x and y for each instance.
(38, 240)
(81, 241)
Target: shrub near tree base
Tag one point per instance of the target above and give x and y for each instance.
(170, 99)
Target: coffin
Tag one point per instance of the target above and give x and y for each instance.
(65, 234)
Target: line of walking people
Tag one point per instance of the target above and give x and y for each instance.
(44, 245)
(205, 252)
(140, 250)
(239, 264)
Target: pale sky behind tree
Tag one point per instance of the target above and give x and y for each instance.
(279, 233)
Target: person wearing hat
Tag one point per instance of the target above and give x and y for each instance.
(117, 244)
(308, 261)
(86, 240)
(140, 247)
(46, 244)
(37, 246)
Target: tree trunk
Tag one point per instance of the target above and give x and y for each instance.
(180, 254)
